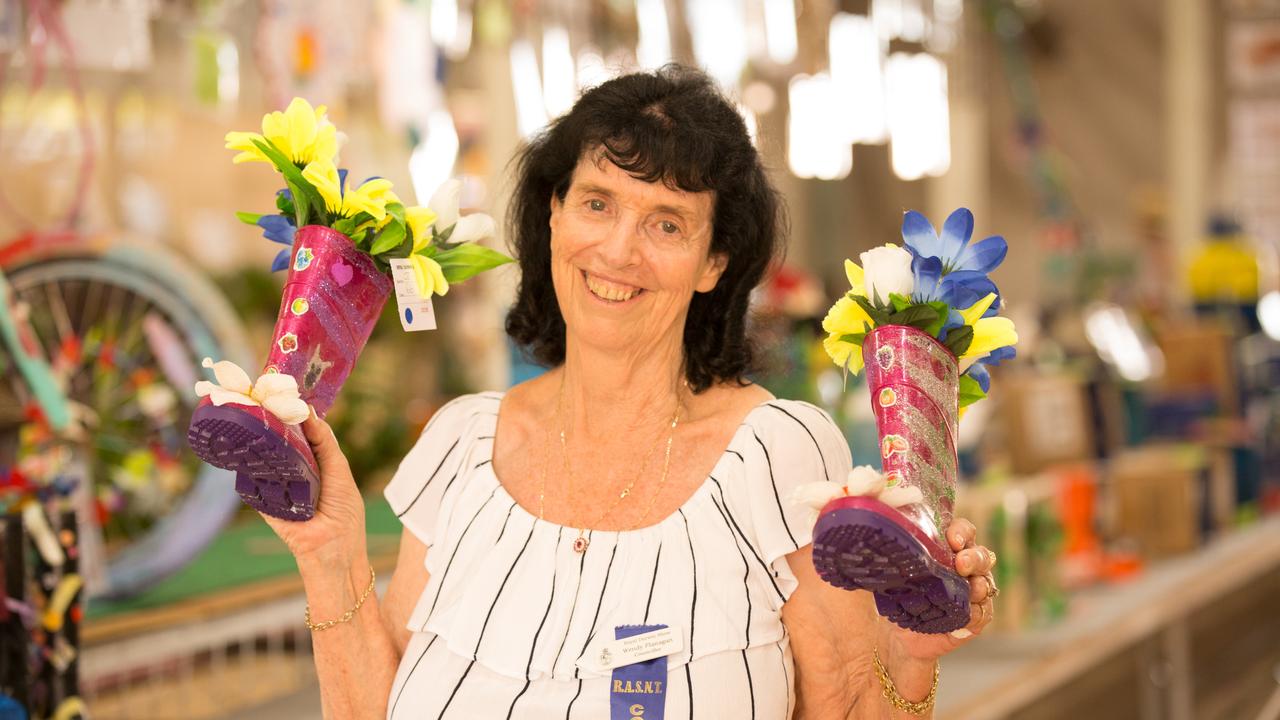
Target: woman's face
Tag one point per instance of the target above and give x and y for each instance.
(627, 256)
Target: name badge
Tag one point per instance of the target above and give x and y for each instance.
(415, 311)
(638, 657)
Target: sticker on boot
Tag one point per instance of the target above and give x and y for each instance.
(299, 306)
(316, 366)
(303, 259)
(342, 273)
(884, 357)
(288, 343)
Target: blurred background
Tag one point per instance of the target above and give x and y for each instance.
(1126, 467)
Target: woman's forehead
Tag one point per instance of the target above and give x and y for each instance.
(595, 171)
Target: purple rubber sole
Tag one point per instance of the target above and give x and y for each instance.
(860, 549)
(271, 476)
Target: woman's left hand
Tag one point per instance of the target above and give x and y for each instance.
(974, 562)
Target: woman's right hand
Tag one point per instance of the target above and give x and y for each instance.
(335, 536)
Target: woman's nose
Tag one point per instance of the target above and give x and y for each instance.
(621, 243)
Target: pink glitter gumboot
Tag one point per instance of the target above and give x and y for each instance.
(901, 555)
(333, 297)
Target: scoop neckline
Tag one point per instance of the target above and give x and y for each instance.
(703, 488)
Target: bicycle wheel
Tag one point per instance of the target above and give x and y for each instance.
(126, 328)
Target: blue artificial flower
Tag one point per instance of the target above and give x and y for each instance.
(978, 370)
(953, 247)
(278, 229)
(960, 288)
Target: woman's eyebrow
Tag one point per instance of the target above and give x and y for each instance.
(680, 211)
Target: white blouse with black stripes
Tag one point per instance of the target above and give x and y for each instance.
(510, 609)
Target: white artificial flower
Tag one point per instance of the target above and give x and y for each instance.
(444, 202)
(815, 496)
(865, 481)
(887, 269)
(472, 228)
(275, 392)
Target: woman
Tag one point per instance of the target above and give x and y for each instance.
(641, 481)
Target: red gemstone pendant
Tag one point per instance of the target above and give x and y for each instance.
(580, 544)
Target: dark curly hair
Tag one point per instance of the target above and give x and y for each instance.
(672, 126)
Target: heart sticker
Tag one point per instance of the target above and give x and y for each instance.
(341, 272)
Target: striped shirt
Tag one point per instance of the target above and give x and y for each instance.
(511, 615)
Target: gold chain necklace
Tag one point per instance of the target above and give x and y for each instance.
(581, 542)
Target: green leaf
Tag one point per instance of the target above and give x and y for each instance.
(467, 260)
(387, 238)
(970, 391)
(855, 338)
(943, 310)
(395, 210)
(301, 209)
(284, 204)
(248, 218)
(899, 302)
(878, 316)
(305, 196)
(917, 316)
(959, 340)
(346, 226)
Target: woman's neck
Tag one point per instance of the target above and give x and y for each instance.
(604, 392)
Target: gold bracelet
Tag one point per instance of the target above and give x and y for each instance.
(346, 617)
(890, 691)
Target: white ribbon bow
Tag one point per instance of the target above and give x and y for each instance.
(863, 481)
(277, 393)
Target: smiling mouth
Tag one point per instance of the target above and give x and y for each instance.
(610, 291)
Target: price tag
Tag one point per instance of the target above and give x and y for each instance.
(415, 310)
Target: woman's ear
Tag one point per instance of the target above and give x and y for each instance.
(556, 205)
(711, 272)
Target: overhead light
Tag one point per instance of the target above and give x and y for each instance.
(531, 112)
(856, 76)
(780, 30)
(1269, 314)
(1121, 343)
(558, 85)
(719, 31)
(816, 144)
(431, 162)
(918, 114)
(591, 70)
(654, 49)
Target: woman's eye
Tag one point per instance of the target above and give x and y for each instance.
(669, 227)
(596, 205)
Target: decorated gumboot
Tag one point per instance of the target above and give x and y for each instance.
(333, 297)
(901, 555)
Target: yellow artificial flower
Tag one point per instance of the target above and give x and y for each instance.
(990, 334)
(371, 196)
(854, 272)
(429, 275)
(301, 133)
(846, 317)
(973, 313)
(419, 219)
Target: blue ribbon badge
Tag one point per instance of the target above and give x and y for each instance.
(638, 691)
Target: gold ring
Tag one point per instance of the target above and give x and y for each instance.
(991, 554)
(995, 592)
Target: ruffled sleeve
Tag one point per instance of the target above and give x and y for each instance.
(427, 475)
(791, 443)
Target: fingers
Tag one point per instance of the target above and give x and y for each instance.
(980, 616)
(974, 561)
(979, 589)
(962, 534)
(323, 443)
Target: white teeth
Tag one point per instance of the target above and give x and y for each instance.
(610, 291)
